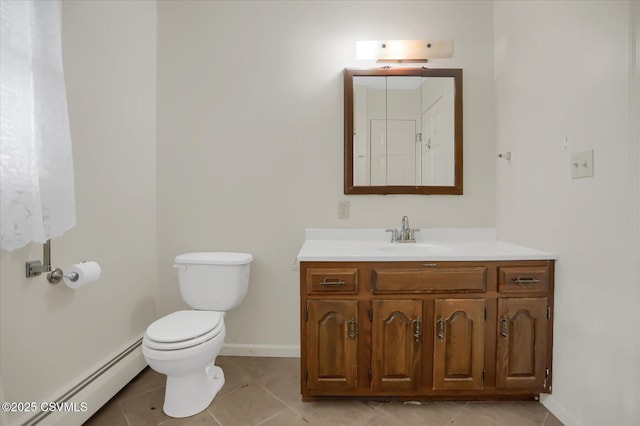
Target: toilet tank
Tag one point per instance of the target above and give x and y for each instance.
(213, 281)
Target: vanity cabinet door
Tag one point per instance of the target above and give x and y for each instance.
(458, 358)
(522, 344)
(332, 342)
(396, 343)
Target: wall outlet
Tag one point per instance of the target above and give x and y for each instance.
(582, 164)
(343, 209)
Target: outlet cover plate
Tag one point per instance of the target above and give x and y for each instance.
(582, 164)
(343, 209)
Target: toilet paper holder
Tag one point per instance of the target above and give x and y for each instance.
(34, 267)
(57, 275)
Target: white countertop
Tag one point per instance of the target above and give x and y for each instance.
(443, 244)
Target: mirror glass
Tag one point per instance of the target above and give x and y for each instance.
(403, 131)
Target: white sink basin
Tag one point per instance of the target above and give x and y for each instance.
(416, 248)
(437, 244)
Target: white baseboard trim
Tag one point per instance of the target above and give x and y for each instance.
(90, 393)
(276, 351)
(559, 410)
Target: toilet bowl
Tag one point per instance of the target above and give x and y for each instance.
(172, 347)
(184, 345)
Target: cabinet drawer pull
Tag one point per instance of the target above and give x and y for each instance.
(332, 282)
(504, 327)
(417, 329)
(353, 329)
(440, 329)
(525, 280)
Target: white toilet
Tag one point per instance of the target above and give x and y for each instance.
(184, 345)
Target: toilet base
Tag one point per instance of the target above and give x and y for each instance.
(189, 395)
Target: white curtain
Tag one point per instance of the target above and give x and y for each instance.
(37, 199)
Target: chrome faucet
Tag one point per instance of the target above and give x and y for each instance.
(405, 234)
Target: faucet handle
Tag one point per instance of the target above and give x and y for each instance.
(394, 234)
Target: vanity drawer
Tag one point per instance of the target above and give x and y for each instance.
(523, 279)
(437, 280)
(332, 280)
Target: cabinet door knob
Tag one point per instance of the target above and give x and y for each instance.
(440, 328)
(504, 327)
(353, 329)
(417, 329)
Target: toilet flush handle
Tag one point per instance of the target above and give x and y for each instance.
(182, 267)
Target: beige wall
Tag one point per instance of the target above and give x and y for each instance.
(563, 86)
(250, 137)
(249, 153)
(52, 336)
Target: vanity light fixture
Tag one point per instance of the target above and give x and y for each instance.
(415, 51)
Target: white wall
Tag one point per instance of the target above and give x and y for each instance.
(249, 153)
(563, 86)
(52, 336)
(250, 137)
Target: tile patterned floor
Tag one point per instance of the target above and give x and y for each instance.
(265, 391)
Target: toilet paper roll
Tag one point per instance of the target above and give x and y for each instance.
(81, 274)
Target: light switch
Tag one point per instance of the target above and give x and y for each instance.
(582, 164)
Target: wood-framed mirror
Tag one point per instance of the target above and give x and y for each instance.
(403, 131)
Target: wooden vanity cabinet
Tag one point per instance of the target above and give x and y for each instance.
(332, 344)
(426, 330)
(396, 344)
(521, 361)
(458, 354)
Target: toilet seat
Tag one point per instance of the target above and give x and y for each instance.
(183, 329)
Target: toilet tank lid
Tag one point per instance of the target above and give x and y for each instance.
(214, 258)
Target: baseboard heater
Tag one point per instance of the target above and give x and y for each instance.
(84, 383)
